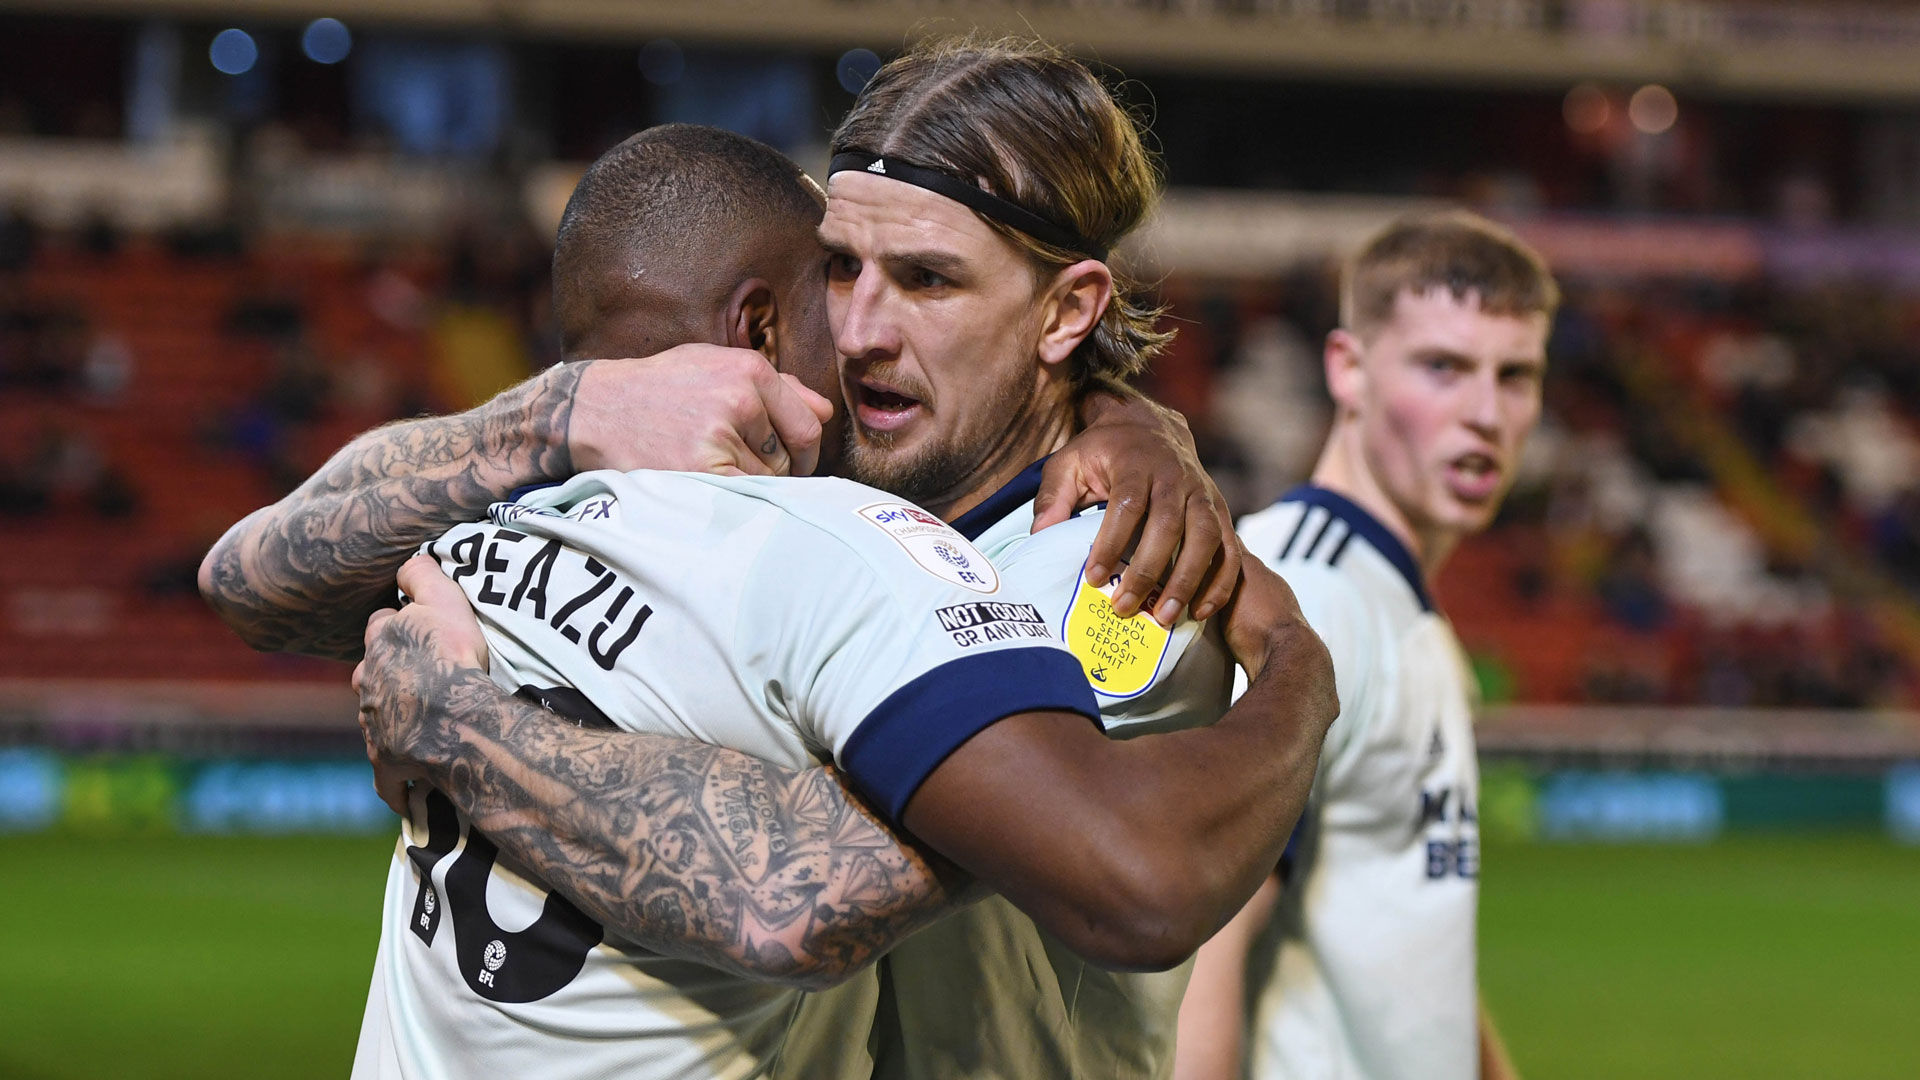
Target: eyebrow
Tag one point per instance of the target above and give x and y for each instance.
(944, 263)
(1441, 352)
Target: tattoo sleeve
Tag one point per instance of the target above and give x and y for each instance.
(303, 574)
(688, 849)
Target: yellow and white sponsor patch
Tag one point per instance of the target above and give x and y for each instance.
(1120, 656)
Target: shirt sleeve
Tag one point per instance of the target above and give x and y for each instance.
(1145, 677)
(1337, 611)
(888, 665)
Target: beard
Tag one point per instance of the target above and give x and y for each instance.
(919, 477)
(938, 471)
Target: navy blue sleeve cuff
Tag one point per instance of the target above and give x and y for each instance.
(1296, 841)
(909, 734)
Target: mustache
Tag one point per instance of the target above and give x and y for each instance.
(888, 373)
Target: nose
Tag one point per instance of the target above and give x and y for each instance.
(865, 326)
(1483, 409)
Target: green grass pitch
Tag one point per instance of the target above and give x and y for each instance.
(1752, 957)
(1757, 956)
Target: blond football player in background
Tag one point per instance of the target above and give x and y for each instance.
(1357, 959)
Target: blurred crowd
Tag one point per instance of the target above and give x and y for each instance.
(52, 351)
(1726, 480)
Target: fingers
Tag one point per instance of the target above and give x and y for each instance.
(794, 413)
(394, 795)
(391, 787)
(366, 736)
(1196, 557)
(822, 406)
(1228, 564)
(1060, 488)
(422, 579)
(444, 609)
(374, 622)
(769, 451)
(1126, 505)
(743, 460)
(1159, 538)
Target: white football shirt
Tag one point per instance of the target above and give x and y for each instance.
(800, 621)
(985, 993)
(1367, 971)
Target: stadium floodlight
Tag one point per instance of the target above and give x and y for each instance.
(326, 41)
(233, 52)
(662, 62)
(1653, 109)
(856, 68)
(1587, 109)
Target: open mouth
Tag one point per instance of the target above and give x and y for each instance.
(1474, 477)
(882, 408)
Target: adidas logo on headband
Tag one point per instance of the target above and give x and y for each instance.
(972, 197)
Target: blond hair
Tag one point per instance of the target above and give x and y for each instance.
(1036, 127)
(1453, 250)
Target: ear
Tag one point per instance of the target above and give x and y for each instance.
(1346, 374)
(753, 317)
(1073, 308)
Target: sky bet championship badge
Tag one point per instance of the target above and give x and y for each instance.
(934, 544)
(1120, 656)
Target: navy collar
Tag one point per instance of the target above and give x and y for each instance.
(527, 489)
(1369, 529)
(1017, 493)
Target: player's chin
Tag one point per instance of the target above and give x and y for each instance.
(1468, 515)
(879, 458)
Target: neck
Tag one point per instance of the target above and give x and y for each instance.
(1343, 469)
(1039, 429)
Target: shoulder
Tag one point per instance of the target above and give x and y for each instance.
(824, 523)
(1146, 676)
(1350, 614)
(1348, 607)
(1338, 567)
(1264, 531)
(1068, 542)
(1295, 533)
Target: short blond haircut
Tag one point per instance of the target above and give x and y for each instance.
(1457, 251)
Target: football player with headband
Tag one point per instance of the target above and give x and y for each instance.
(919, 647)
(548, 794)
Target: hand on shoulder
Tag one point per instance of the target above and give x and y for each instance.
(695, 408)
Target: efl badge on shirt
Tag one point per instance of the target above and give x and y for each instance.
(934, 544)
(1120, 656)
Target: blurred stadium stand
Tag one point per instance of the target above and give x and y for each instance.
(210, 280)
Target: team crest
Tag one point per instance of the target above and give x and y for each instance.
(934, 545)
(1120, 656)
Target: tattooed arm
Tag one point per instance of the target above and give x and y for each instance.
(691, 850)
(303, 574)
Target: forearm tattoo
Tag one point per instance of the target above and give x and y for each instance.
(689, 850)
(303, 574)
